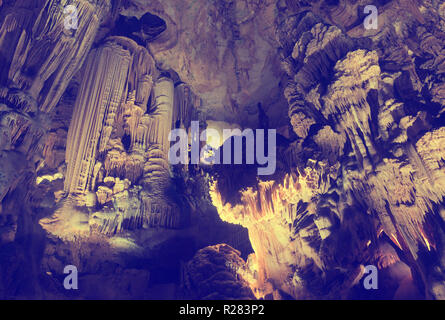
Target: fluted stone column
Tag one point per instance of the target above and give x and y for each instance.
(164, 97)
(101, 92)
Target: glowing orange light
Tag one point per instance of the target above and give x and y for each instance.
(379, 232)
(425, 239)
(394, 239)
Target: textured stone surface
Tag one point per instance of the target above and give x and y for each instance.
(84, 175)
(225, 50)
(364, 118)
(217, 273)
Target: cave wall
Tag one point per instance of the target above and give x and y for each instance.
(84, 121)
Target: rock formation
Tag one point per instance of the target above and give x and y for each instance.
(362, 126)
(85, 178)
(217, 273)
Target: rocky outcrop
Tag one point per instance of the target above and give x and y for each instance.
(216, 273)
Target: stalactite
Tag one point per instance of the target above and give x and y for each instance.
(132, 116)
(164, 99)
(39, 57)
(159, 126)
(185, 107)
(110, 124)
(48, 50)
(101, 92)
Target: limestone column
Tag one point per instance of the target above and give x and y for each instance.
(102, 90)
(156, 168)
(164, 96)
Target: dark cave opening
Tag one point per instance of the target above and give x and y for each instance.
(126, 142)
(146, 29)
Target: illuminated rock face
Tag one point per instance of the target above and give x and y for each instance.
(369, 135)
(39, 59)
(100, 95)
(291, 227)
(117, 143)
(117, 150)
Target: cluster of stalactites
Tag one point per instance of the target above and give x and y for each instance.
(118, 139)
(101, 92)
(268, 199)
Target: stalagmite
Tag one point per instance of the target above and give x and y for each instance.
(100, 94)
(164, 99)
(111, 106)
(158, 210)
(159, 127)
